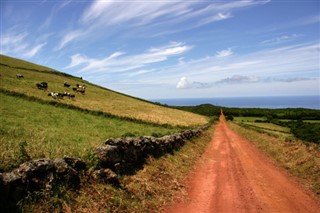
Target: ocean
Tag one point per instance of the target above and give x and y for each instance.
(310, 102)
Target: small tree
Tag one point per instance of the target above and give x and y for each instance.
(229, 118)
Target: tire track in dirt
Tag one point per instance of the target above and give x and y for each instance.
(234, 176)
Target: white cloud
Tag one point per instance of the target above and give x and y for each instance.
(34, 50)
(12, 38)
(224, 53)
(146, 18)
(255, 67)
(140, 72)
(119, 62)
(183, 83)
(216, 17)
(69, 37)
(113, 12)
(65, 3)
(17, 44)
(238, 79)
(13, 43)
(76, 60)
(290, 79)
(280, 39)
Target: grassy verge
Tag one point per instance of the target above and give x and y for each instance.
(33, 130)
(149, 190)
(299, 158)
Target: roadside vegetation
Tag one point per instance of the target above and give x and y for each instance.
(150, 189)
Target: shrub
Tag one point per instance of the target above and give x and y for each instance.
(229, 118)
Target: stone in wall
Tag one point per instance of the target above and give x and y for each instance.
(105, 176)
(41, 174)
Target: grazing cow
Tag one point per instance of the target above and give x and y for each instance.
(43, 85)
(56, 95)
(65, 84)
(80, 88)
(70, 96)
(19, 76)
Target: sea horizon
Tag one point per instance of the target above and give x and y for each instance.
(271, 102)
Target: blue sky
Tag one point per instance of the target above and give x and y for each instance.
(172, 49)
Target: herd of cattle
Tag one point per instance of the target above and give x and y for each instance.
(59, 95)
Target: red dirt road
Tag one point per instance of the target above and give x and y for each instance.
(234, 176)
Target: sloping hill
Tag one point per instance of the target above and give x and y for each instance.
(95, 98)
(31, 126)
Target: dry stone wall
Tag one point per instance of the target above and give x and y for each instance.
(121, 154)
(41, 174)
(116, 156)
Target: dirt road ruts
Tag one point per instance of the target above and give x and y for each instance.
(234, 176)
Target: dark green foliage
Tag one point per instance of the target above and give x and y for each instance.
(203, 109)
(304, 131)
(270, 114)
(229, 118)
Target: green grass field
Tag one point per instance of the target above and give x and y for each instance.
(49, 131)
(306, 121)
(248, 119)
(264, 127)
(96, 98)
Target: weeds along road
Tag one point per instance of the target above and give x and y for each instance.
(234, 176)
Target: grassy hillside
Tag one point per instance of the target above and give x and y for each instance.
(95, 98)
(35, 130)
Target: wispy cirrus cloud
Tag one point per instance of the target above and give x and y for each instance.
(69, 37)
(224, 53)
(34, 50)
(15, 43)
(147, 18)
(120, 62)
(115, 12)
(12, 42)
(279, 39)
